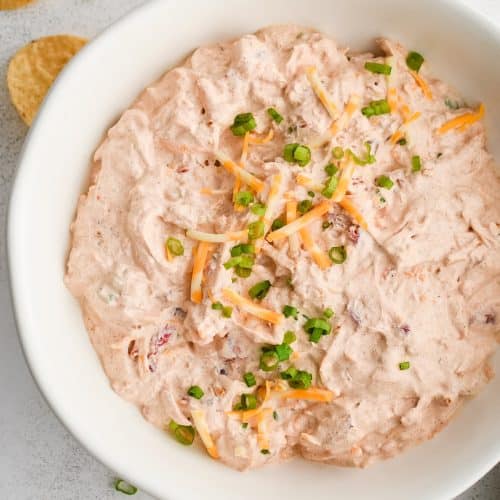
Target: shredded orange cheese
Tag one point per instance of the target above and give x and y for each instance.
(392, 99)
(303, 180)
(463, 121)
(200, 423)
(217, 238)
(345, 179)
(240, 173)
(351, 107)
(399, 134)
(254, 139)
(321, 93)
(251, 308)
(311, 394)
(200, 259)
(291, 215)
(422, 84)
(317, 254)
(168, 254)
(299, 223)
(347, 205)
(262, 438)
(272, 200)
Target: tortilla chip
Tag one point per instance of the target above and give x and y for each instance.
(13, 4)
(33, 69)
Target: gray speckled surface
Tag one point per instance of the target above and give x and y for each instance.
(39, 459)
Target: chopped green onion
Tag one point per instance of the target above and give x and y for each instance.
(402, 142)
(330, 187)
(380, 107)
(195, 391)
(290, 312)
(416, 164)
(237, 250)
(337, 153)
(301, 380)
(265, 452)
(248, 401)
(289, 337)
(277, 224)
(243, 123)
(338, 255)
(274, 115)
(269, 361)
(328, 313)
(384, 182)
(244, 425)
(451, 104)
(283, 351)
(289, 373)
(297, 153)
(243, 198)
(217, 306)
(245, 261)
(227, 311)
(315, 335)
(331, 169)
(368, 160)
(175, 247)
(404, 365)
(258, 209)
(124, 487)
(326, 225)
(414, 61)
(249, 379)
(313, 325)
(275, 415)
(183, 433)
(259, 290)
(242, 272)
(304, 206)
(310, 194)
(381, 69)
(255, 230)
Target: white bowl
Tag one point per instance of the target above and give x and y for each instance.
(98, 85)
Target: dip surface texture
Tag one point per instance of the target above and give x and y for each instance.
(416, 301)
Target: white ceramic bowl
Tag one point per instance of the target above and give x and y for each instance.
(98, 85)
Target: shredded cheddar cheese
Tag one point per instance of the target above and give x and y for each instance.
(217, 238)
(291, 215)
(351, 107)
(256, 184)
(422, 84)
(320, 257)
(201, 425)
(262, 437)
(321, 93)
(251, 308)
(254, 139)
(345, 179)
(299, 223)
(200, 259)
(272, 200)
(392, 99)
(462, 122)
(347, 205)
(399, 134)
(303, 180)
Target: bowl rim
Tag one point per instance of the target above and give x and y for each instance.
(15, 201)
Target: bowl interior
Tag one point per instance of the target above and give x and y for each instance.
(89, 96)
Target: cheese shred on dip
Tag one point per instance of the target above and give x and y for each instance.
(287, 249)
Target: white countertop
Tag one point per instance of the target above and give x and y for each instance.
(39, 459)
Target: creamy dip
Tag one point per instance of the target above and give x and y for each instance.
(392, 280)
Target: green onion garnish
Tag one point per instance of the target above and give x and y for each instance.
(283, 351)
(275, 415)
(175, 247)
(265, 452)
(416, 164)
(304, 206)
(330, 186)
(242, 248)
(338, 255)
(316, 327)
(289, 337)
(242, 272)
(258, 209)
(195, 391)
(269, 361)
(414, 61)
(368, 160)
(404, 365)
(381, 69)
(326, 225)
(277, 224)
(255, 230)
(310, 194)
(328, 313)
(290, 312)
(248, 401)
(380, 107)
(124, 487)
(183, 433)
(384, 182)
(244, 425)
(289, 373)
(451, 104)
(227, 311)
(274, 115)
(402, 142)
(259, 290)
(249, 379)
(243, 123)
(243, 198)
(297, 153)
(331, 169)
(301, 380)
(337, 153)
(217, 306)
(244, 261)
